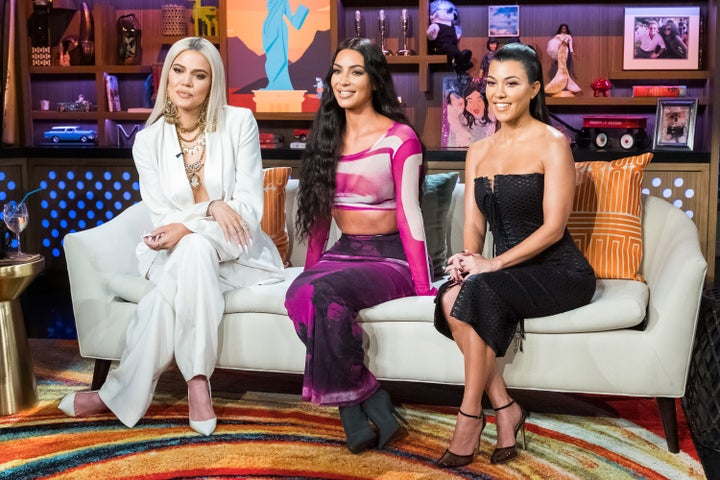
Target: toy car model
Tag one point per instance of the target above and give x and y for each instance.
(70, 133)
(594, 127)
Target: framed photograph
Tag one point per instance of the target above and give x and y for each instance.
(504, 21)
(661, 38)
(675, 124)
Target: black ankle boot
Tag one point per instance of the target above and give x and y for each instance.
(380, 410)
(359, 435)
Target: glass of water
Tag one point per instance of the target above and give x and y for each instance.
(16, 218)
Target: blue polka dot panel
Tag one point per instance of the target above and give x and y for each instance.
(78, 199)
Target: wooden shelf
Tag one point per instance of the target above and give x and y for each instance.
(584, 101)
(284, 116)
(660, 75)
(69, 117)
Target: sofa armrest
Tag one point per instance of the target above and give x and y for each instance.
(97, 254)
(674, 269)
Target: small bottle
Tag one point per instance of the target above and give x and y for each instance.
(318, 87)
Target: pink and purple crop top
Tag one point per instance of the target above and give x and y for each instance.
(385, 176)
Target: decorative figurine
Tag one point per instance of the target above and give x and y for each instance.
(404, 27)
(357, 23)
(560, 49)
(40, 33)
(206, 22)
(601, 87)
(275, 41)
(86, 41)
(492, 46)
(444, 34)
(79, 50)
(381, 27)
(129, 35)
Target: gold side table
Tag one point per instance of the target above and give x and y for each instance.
(17, 380)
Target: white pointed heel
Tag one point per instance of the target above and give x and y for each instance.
(203, 427)
(67, 405)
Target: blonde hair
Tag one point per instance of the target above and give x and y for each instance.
(218, 91)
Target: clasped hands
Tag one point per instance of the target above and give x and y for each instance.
(467, 263)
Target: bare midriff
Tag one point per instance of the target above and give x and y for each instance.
(365, 222)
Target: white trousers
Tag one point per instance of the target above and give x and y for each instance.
(179, 318)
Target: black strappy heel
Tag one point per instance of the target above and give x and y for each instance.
(452, 460)
(504, 454)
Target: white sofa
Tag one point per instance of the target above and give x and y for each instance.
(633, 339)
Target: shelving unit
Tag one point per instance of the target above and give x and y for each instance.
(597, 29)
(64, 84)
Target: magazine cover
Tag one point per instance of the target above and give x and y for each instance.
(465, 114)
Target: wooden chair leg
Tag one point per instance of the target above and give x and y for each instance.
(668, 416)
(102, 368)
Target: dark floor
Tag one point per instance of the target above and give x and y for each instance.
(47, 309)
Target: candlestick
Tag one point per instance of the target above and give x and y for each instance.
(357, 23)
(381, 25)
(405, 51)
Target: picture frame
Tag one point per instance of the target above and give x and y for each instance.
(466, 117)
(503, 21)
(661, 38)
(675, 124)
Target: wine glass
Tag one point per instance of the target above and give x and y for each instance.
(16, 218)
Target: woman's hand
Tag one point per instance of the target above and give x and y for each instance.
(165, 237)
(236, 229)
(466, 263)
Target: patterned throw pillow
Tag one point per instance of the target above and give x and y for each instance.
(435, 205)
(607, 214)
(273, 221)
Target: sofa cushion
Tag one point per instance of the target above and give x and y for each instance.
(606, 219)
(436, 200)
(273, 220)
(265, 298)
(616, 304)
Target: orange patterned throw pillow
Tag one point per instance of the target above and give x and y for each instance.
(606, 221)
(273, 221)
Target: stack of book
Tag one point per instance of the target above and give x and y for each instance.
(271, 140)
(659, 90)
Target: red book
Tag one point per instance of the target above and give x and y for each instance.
(659, 90)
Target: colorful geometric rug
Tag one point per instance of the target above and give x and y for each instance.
(277, 436)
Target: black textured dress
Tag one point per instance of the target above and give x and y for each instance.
(554, 281)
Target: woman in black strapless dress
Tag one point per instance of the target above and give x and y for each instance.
(520, 182)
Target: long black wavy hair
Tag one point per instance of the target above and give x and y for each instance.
(319, 160)
(530, 61)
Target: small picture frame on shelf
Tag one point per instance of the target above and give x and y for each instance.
(503, 21)
(661, 38)
(675, 124)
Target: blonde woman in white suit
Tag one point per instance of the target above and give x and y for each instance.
(200, 172)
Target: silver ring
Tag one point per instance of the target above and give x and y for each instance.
(244, 225)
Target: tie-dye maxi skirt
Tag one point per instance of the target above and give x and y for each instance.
(359, 271)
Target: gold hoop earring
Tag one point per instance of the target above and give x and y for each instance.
(170, 111)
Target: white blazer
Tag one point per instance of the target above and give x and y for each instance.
(233, 173)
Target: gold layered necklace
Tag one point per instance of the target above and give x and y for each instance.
(188, 150)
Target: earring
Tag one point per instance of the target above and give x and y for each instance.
(170, 110)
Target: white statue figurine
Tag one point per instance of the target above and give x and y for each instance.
(560, 49)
